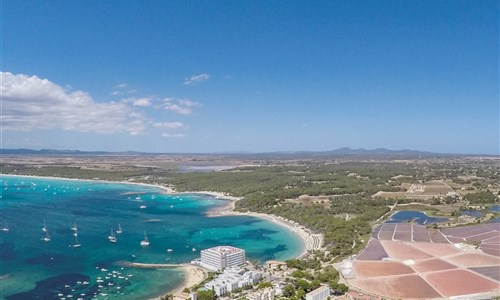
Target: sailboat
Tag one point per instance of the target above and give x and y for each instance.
(145, 241)
(119, 230)
(46, 238)
(112, 237)
(76, 244)
(5, 227)
(74, 228)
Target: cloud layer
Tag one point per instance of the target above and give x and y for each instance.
(180, 106)
(196, 79)
(29, 102)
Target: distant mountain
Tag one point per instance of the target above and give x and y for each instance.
(378, 151)
(349, 152)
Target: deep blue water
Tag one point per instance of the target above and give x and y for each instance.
(35, 269)
(416, 216)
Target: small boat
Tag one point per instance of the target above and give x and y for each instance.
(170, 250)
(76, 244)
(74, 228)
(46, 238)
(112, 237)
(193, 249)
(145, 241)
(119, 230)
(44, 228)
(5, 227)
(142, 206)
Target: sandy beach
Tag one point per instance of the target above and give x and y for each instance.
(194, 275)
(311, 240)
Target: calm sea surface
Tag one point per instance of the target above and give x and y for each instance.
(31, 268)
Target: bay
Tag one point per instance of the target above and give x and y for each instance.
(32, 268)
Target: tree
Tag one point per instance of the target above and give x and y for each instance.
(339, 288)
(303, 284)
(265, 284)
(315, 284)
(288, 291)
(206, 295)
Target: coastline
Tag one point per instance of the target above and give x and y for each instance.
(193, 274)
(311, 241)
(166, 189)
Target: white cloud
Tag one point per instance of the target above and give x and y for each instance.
(144, 102)
(30, 102)
(121, 85)
(180, 106)
(196, 79)
(173, 135)
(169, 125)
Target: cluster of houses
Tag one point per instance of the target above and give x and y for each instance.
(231, 279)
(229, 261)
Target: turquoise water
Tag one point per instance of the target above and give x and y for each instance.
(417, 216)
(35, 269)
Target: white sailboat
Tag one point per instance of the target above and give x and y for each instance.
(119, 230)
(5, 227)
(76, 244)
(44, 228)
(145, 241)
(112, 237)
(46, 238)
(74, 228)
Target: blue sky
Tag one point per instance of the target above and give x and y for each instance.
(215, 76)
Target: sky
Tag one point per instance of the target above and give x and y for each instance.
(250, 76)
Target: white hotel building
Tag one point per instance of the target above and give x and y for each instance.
(221, 257)
(320, 293)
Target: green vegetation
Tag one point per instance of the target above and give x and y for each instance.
(483, 197)
(206, 295)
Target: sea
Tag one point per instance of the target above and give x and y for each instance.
(40, 257)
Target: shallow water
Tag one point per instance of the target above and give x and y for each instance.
(32, 268)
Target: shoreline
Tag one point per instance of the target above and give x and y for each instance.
(309, 240)
(166, 189)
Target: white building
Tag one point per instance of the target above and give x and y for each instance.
(266, 294)
(320, 293)
(221, 257)
(231, 279)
